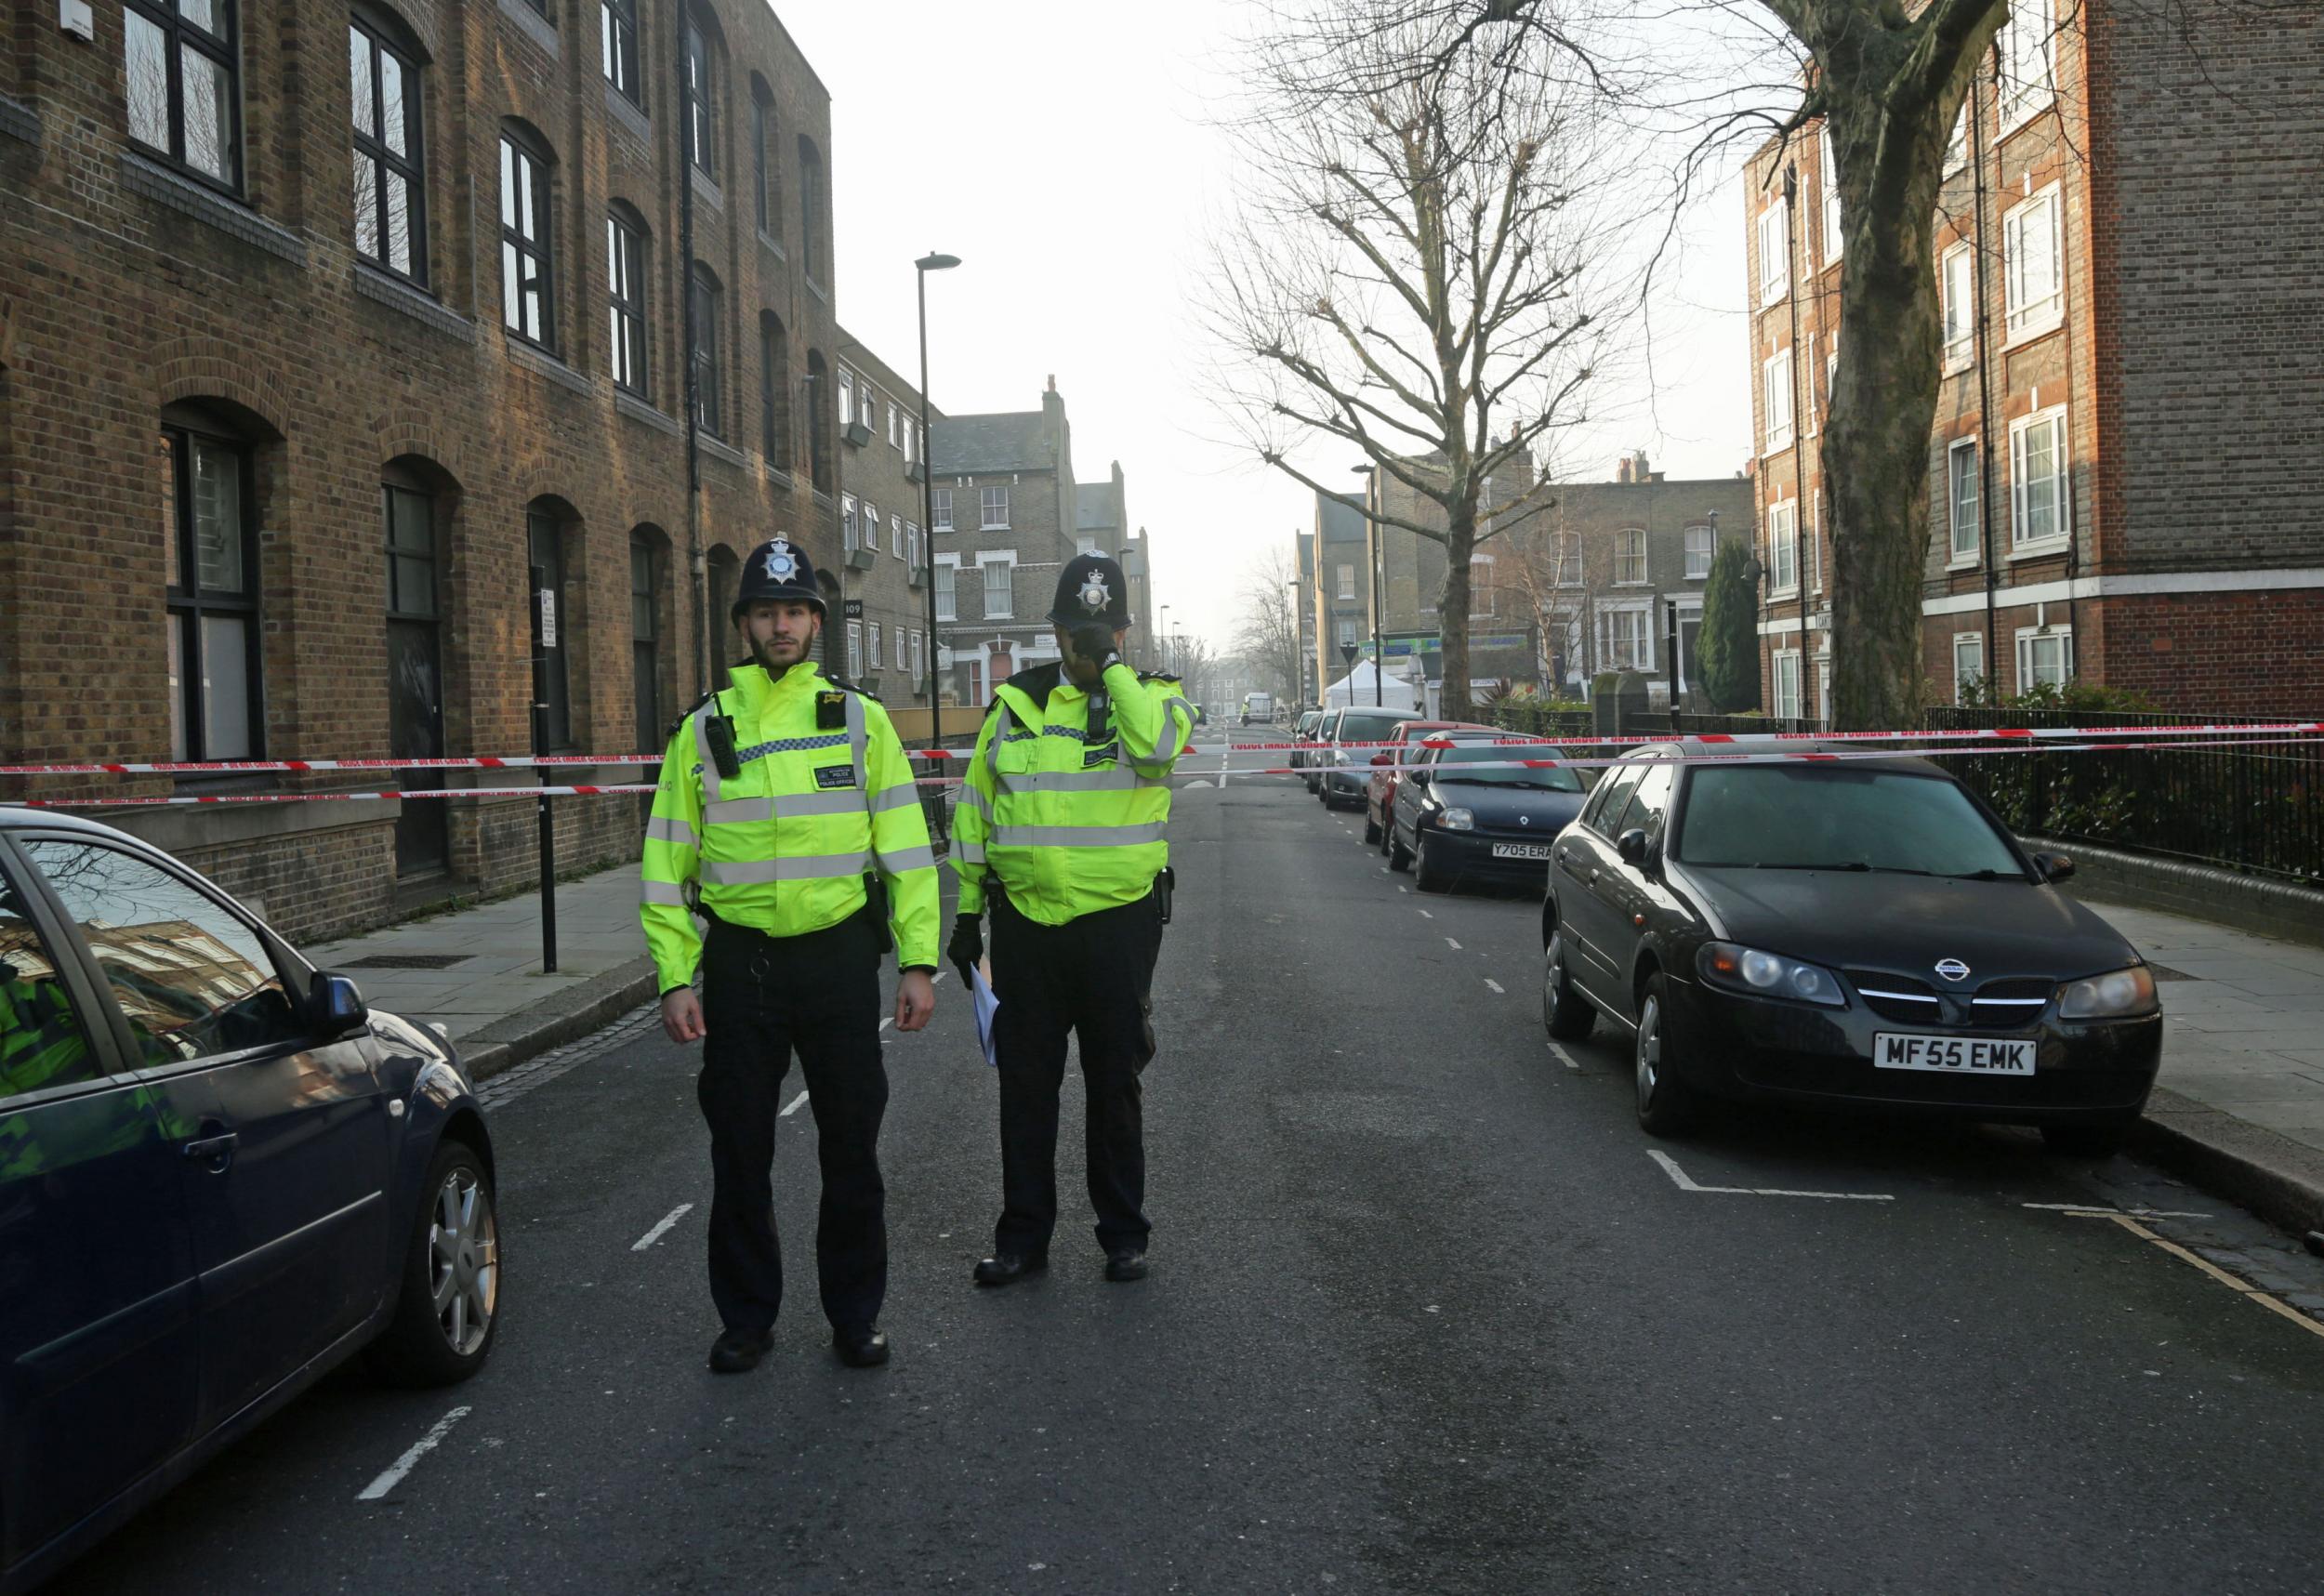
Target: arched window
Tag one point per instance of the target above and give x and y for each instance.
(725, 581)
(210, 554)
(766, 162)
(819, 420)
(709, 309)
(649, 629)
(1629, 554)
(811, 207)
(546, 531)
(384, 65)
(626, 267)
(415, 498)
(527, 264)
(774, 392)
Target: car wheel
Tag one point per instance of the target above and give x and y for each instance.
(2102, 1140)
(1666, 1105)
(448, 1309)
(1425, 876)
(1371, 825)
(1565, 1013)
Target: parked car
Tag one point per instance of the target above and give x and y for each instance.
(1467, 813)
(1866, 931)
(1302, 731)
(1379, 786)
(1343, 772)
(221, 1176)
(1312, 761)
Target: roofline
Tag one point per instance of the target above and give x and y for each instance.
(776, 16)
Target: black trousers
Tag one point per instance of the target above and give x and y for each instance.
(1092, 977)
(763, 997)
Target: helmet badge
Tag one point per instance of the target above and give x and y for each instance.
(781, 562)
(1095, 594)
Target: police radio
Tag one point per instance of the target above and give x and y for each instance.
(718, 731)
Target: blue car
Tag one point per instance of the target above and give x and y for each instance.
(221, 1176)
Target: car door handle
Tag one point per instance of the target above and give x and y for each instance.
(214, 1149)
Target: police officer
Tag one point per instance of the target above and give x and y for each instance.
(1061, 827)
(787, 800)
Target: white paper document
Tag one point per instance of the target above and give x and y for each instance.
(986, 1007)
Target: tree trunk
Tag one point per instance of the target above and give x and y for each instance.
(1452, 612)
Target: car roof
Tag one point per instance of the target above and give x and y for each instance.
(15, 814)
(1858, 759)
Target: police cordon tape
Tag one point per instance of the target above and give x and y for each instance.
(1748, 757)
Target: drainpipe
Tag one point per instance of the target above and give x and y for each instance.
(1985, 373)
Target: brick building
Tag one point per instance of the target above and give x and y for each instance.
(883, 577)
(2124, 466)
(1410, 571)
(1340, 616)
(292, 466)
(1101, 527)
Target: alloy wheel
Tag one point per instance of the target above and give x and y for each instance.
(464, 1260)
(1649, 1052)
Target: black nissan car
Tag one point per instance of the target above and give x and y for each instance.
(1470, 812)
(1851, 930)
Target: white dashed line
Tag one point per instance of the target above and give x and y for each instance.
(658, 1231)
(1452, 945)
(406, 1464)
(2106, 1209)
(1679, 1178)
(793, 1106)
(1494, 985)
(887, 1021)
(1563, 1057)
(1426, 916)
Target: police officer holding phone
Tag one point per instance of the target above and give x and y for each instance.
(1060, 829)
(787, 806)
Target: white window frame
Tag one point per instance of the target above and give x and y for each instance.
(1957, 149)
(946, 575)
(895, 427)
(1623, 556)
(1776, 397)
(1786, 706)
(854, 649)
(1480, 582)
(1835, 240)
(2028, 642)
(1957, 289)
(984, 504)
(1625, 643)
(1007, 560)
(1775, 252)
(2021, 503)
(1783, 548)
(904, 650)
(846, 522)
(2029, 40)
(895, 535)
(1347, 583)
(919, 654)
(847, 397)
(1812, 546)
(940, 508)
(871, 526)
(1706, 554)
(2034, 308)
(1347, 632)
(1957, 556)
(1975, 643)
(871, 643)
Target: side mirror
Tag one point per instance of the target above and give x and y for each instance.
(1417, 778)
(334, 1007)
(1631, 846)
(2053, 866)
(1383, 758)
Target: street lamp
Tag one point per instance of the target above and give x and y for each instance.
(922, 267)
(1373, 551)
(1162, 636)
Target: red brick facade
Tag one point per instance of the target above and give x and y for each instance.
(135, 294)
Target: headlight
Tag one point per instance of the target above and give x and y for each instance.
(1458, 820)
(1768, 975)
(2114, 997)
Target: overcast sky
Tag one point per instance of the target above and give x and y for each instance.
(1062, 149)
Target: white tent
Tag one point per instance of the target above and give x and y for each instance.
(1363, 685)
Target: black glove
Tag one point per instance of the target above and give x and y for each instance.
(967, 946)
(1093, 641)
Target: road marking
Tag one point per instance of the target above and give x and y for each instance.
(793, 1106)
(658, 1231)
(1426, 916)
(405, 1465)
(2241, 1287)
(1450, 943)
(1563, 1057)
(1679, 1178)
(887, 1021)
(2107, 1210)
(1494, 985)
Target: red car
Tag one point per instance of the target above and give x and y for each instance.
(1380, 792)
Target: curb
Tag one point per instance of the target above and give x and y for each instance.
(563, 1017)
(2276, 1178)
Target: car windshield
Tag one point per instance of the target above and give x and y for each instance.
(1498, 771)
(1369, 727)
(1791, 817)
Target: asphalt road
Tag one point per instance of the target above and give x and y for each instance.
(1424, 1316)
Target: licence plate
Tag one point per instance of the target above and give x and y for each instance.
(1521, 850)
(1952, 1055)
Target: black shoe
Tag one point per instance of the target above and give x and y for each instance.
(864, 1348)
(1126, 1263)
(1008, 1268)
(734, 1354)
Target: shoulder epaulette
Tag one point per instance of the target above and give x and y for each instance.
(1037, 681)
(1158, 676)
(844, 685)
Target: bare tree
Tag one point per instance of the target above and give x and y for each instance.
(1557, 572)
(1411, 270)
(1268, 632)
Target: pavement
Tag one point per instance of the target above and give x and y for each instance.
(1427, 1314)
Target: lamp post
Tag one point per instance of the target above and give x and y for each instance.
(1162, 637)
(921, 267)
(1372, 552)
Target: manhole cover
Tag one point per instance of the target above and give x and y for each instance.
(407, 961)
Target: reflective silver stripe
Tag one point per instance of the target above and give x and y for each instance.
(902, 795)
(669, 893)
(855, 741)
(756, 872)
(976, 799)
(1001, 723)
(735, 811)
(1076, 836)
(664, 829)
(895, 861)
(796, 804)
(966, 852)
(701, 746)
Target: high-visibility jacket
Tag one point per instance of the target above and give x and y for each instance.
(1067, 819)
(824, 796)
(40, 1040)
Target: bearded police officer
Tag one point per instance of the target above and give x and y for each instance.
(786, 799)
(1061, 827)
